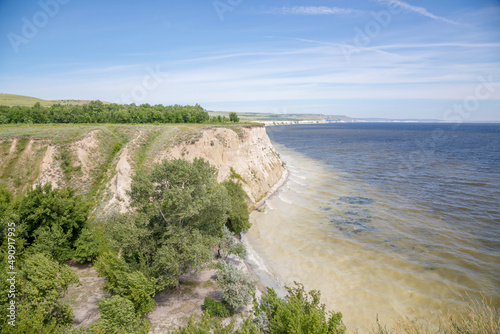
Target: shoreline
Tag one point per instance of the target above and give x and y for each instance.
(274, 189)
(254, 263)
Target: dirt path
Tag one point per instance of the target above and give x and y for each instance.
(174, 308)
(83, 298)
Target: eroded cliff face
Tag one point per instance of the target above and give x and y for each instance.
(246, 155)
(90, 162)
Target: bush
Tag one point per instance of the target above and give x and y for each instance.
(301, 312)
(238, 216)
(89, 245)
(44, 207)
(217, 326)
(134, 286)
(118, 317)
(228, 245)
(236, 285)
(215, 308)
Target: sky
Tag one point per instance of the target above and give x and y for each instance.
(365, 59)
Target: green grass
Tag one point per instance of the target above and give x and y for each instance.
(21, 100)
(28, 101)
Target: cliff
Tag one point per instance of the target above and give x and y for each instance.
(101, 160)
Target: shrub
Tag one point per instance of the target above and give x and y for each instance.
(301, 312)
(134, 286)
(228, 245)
(236, 285)
(88, 245)
(46, 207)
(118, 317)
(215, 308)
(237, 217)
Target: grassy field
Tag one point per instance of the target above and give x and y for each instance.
(28, 101)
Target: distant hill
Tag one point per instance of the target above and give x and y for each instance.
(21, 100)
(278, 118)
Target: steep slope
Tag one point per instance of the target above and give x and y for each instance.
(100, 160)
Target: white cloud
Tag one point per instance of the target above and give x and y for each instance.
(419, 10)
(312, 10)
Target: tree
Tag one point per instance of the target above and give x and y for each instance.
(237, 216)
(233, 117)
(53, 242)
(236, 285)
(43, 283)
(5, 200)
(44, 207)
(181, 193)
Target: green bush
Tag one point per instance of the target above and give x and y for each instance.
(134, 286)
(216, 308)
(89, 245)
(300, 312)
(237, 216)
(46, 207)
(118, 317)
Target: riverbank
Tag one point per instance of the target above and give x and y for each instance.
(253, 261)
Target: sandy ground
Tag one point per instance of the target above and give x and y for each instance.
(83, 298)
(174, 307)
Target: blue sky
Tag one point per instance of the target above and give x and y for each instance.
(379, 58)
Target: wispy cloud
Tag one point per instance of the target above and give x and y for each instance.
(419, 10)
(312, 10)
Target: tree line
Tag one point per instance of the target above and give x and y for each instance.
(98, 112)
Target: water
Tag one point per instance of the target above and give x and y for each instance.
(386, 219)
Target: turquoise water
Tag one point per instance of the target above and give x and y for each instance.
(386, 219)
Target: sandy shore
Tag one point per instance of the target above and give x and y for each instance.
(253, 261)
(274, 189)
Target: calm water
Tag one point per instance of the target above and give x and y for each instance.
(386, 219)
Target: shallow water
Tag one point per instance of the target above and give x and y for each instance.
(385, 221)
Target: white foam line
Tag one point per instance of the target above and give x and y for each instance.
(284, 200)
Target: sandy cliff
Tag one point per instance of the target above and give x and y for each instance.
(247, 155)
(91, 163)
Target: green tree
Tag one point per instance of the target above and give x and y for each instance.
(5, 200)
(53, 242)
(237, 216)
(43, 283)
(181, 193)
(233, 117)
(44, 207)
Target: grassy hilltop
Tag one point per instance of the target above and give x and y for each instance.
(25, 101)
